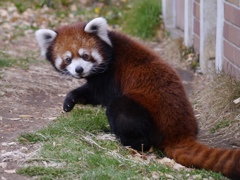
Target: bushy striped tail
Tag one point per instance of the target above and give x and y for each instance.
(194, 154)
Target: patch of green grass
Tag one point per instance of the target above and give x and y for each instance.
(42, 171)
(31, 138)
(7, 60)
(221, 124)
(5, 63)
(75, 146)
(143, 18)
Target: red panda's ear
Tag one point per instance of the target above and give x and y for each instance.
(44, 38)
(98, 26)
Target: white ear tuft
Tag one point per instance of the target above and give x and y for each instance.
(44, 38)
(99, 26)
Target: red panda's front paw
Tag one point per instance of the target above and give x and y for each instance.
(68, 103)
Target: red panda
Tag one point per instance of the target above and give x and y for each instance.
(145, 101)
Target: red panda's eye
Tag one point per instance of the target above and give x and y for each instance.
(85, 57)
(68, 60)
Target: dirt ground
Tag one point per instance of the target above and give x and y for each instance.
(32, 98)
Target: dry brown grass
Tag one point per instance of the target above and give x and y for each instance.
(217, 113)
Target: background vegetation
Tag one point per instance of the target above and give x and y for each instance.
(143, 19)
(139, 18)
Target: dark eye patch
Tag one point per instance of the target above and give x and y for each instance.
(68, 60)
(86, 57)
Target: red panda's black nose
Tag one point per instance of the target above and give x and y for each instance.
(79, 69)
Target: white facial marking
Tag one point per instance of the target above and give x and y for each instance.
(78, 62)
(81, 51)
(98, 58)
(58, 62)
(67, 54)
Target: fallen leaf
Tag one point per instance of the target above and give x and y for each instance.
(4, 144)
(10, 171)
(167, 161)
(132, 151)
(12, 143)
(169, 176)
(52, 118)
(61, 95)
(14, 119)
(197, 176)
(24, 149)
(155, 175)
(8, 144)
(25, 116)
(3, 178)
(178, 167)
(73, 7)
(236, 101)
(151, 149)
(144, 157)
(45, 163)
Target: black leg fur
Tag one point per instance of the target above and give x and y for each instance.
(131, 123)
(81, 95)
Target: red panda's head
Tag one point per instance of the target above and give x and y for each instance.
(79, 50)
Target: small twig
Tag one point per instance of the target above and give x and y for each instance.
(86, 139)
(36, 159)
(91, 141)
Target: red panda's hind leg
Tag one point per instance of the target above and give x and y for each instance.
(131, 123)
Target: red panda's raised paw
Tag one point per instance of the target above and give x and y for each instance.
(69, 103)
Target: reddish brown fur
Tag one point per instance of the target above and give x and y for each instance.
(73, 37)
(157, 87)
(147, 79)
(198, 155)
